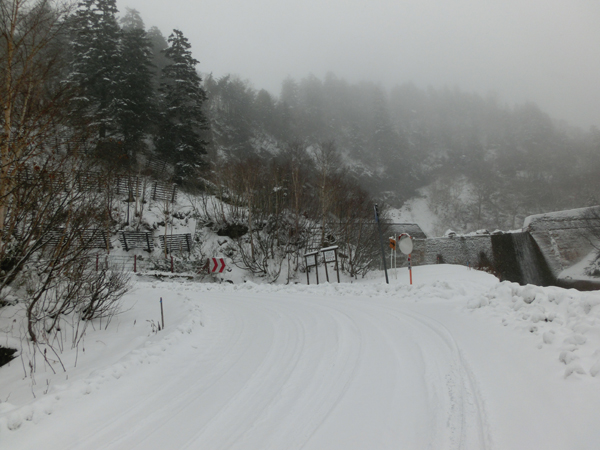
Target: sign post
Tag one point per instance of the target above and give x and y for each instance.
(406, 246)
(311, 261)
(387, 280)
(330, 255)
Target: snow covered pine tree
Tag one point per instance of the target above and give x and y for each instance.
(182, 120)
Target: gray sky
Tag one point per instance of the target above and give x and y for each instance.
(546, 51)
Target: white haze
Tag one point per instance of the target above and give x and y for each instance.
(545, 51)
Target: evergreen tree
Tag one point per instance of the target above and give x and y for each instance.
(136, 110)
(96, 62)
(132, 20)
(182, 120)
(159, 60)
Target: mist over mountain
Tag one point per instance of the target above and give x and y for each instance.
(533, 50)
(480, 162)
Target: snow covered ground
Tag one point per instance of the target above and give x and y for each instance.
(458, 360)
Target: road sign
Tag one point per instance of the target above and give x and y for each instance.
(393, 243)
(311, 261)
(218, 265)
(329, 254)
(405, 243)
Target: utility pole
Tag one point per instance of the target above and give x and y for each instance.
(387, 280)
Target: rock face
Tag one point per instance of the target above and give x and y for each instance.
(6, 355)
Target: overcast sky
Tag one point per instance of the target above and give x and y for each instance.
(546, 51)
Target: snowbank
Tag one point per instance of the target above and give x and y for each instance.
(566, 321)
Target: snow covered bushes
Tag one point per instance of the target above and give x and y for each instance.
(75, 292)
(302, 199)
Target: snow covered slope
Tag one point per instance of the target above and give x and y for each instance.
(458, 360)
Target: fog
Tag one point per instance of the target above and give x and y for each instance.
(545, 51)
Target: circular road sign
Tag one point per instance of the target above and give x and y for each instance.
(405, 243)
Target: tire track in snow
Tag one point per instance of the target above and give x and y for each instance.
(431, 358)
(398, 347)
(234, 372)
(468, 388)
(146, 410)
(230, 420)
(314, 400)
(273, 374)
(333, 404)
(233, 424)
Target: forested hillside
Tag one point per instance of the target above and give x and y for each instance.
(118, 99)
(481, 163)
(95, 110)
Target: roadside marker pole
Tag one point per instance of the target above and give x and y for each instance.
(406, 246)
(162, 314)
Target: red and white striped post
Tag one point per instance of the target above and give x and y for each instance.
(406, 246)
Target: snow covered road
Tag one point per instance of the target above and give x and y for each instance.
(275, 367)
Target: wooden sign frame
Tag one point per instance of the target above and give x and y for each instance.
(311, 260)
(330, 255)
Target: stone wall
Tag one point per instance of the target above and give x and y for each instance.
(450, 250)
(548, 244)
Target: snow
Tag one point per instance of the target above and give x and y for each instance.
(568, 214)
(578, 271)
(456, 360)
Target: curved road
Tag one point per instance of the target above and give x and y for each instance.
(263, 371)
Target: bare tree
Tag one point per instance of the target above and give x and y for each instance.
(51, 209)
(328, 166)
(32, 98)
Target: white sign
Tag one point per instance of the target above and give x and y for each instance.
(405, 244)
(311, 260)
(329, 256)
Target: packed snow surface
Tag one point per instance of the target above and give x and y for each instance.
(455, 361)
